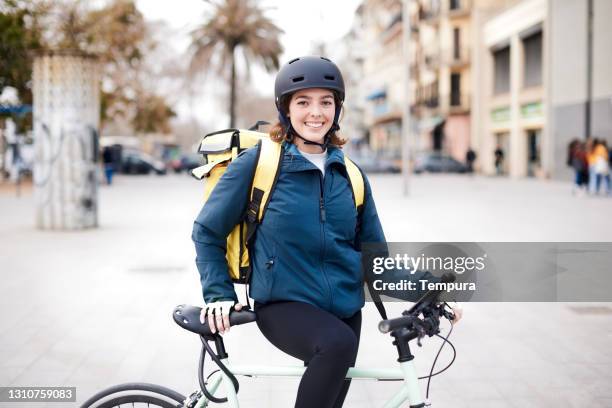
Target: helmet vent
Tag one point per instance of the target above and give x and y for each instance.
(298, 79)
(330, 77)
(293, 60)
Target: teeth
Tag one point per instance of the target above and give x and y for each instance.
(314, 124)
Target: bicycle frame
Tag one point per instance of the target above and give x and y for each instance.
(409, 390)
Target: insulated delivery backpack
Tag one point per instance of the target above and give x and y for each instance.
(219, 149)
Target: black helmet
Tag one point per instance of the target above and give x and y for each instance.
(308, 72)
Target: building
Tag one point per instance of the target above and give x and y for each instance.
(349, 53)
(443, 40)
(544, 68)
(382, 80)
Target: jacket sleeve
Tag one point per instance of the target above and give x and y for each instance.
(372, 234)
(224, 209)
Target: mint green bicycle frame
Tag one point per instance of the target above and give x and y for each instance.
(409, 390)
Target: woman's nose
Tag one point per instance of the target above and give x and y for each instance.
(315, 111)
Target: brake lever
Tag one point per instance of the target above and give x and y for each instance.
(447, 313)
(421, 333)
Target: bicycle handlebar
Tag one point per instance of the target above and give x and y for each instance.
(411, 317)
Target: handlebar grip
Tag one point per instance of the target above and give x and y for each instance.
(389, 325)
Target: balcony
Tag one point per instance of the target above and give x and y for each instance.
(459, 102)
(456, 58)
(432, 60)
(430, 16)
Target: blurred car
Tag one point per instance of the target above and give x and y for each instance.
(140, 163)
(438, 163)
(190, 161)
(185, 162)
(372, 164)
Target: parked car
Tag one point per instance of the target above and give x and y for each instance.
(372, 164)
(140, 163)
(438, 163)
(190, 161)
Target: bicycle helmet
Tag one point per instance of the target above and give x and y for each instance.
(308, 72)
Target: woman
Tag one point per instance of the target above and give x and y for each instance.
(306, 282)
(601, 166)
(577, 159)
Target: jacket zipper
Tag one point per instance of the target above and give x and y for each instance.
(322, 218)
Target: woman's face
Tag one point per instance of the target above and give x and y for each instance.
(311, 112)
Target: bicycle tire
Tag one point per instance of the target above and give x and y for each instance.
(132, 393)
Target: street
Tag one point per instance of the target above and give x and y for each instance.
(91, 309)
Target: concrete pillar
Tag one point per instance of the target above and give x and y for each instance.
(518, 140)
(66, 122)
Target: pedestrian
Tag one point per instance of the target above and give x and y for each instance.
(109, 165)
(577, 159)
(306, 278)
(470, 157)
(591, 159)
(601, 165)
(499, 160)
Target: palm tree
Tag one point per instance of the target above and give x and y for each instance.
(235, 25)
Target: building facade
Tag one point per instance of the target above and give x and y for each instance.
(542, 85)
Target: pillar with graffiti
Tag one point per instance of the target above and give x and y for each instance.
(66, 121)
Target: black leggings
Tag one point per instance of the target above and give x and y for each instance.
(327, 344)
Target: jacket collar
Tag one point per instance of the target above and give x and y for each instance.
(295, 161)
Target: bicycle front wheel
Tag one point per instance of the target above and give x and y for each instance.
(135, 395)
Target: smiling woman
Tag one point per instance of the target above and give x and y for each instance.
(306, 273)
(306, 276)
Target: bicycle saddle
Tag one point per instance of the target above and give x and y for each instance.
(188, 317)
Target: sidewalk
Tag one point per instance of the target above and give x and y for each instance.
(91, 309)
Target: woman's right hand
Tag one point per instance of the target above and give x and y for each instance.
(217, 314)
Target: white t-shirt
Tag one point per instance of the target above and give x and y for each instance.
(318, 159)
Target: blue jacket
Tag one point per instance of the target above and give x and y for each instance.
(306, 248)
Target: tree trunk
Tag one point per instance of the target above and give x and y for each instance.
(66, 121)
(232, 100)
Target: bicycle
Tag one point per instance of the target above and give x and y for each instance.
(422, 319)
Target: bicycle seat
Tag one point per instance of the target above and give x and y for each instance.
(188, 317)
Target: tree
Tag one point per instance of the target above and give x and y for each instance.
(117, 34)
(235, 25)
(153, 114)
(20, 33)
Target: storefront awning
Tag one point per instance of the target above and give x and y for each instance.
(381, 93)
(17, 109)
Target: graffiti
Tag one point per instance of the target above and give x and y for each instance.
(66, 166)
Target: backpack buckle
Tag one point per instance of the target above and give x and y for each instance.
(252, 212)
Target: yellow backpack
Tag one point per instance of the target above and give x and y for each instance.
(219, 149)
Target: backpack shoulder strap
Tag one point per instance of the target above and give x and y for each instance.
(357, 183)
(358, 186)
(269, 154)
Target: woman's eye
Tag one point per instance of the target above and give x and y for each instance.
(327, 103)
(302, 103)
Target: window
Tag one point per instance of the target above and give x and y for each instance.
(455, 96)
(455, 4)
(533, 60)
(501, 62)
(456, 43)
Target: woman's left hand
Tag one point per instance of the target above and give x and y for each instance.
(458, 312)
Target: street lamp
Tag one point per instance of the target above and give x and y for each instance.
(406, 122)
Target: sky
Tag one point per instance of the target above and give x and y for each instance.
(305, 23)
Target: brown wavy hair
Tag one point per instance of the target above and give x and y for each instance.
(278, 132)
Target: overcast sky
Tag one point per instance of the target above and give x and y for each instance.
(305, 23)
